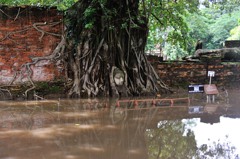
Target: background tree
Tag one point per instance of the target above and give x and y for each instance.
(198, 24)
(174, 52)
(235, 32)
(220, 30)
(218, 18)
(211, 24)
(168, 25)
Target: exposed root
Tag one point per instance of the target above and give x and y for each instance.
(38, 97)
(55, 55)
(35, 26)
(2, 91)
(27, 71)
(26, 92)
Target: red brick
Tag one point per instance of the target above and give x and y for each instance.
(24, 44)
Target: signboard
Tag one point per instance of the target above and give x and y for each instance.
(211, 73)
(210, 89)
(196, 88)
(195, 109)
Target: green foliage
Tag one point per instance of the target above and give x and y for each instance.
(174, 52)
(88, 16)
(223, 6)
(168, 26)
(60, 4)
(220, 30)
(198, 24)
(211, 26)
(167, 22)
(221, 17)
(235, 34)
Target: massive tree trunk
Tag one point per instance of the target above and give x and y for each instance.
(106, 41)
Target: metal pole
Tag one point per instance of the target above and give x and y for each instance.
(210, 81)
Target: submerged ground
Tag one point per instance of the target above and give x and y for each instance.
(96, 128)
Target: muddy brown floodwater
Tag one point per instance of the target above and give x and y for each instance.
(97, 129)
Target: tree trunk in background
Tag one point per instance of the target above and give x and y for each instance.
(105, 49)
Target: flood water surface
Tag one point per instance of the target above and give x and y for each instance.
(90, 129)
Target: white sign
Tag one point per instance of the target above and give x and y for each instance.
(211, 73)
(195, 89)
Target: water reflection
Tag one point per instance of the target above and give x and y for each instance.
(219, 139)
(89, 129)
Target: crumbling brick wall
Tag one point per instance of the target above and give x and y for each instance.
(27, 32)
(227, 74)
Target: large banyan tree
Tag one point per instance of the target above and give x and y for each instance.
(106, 40)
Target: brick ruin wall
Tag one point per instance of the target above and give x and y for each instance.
(184, 73)
(27, 32)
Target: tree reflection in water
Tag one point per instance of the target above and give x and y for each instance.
(173, 140)
(169, 141)
(217, 150)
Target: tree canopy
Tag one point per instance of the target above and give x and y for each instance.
(61, 4)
